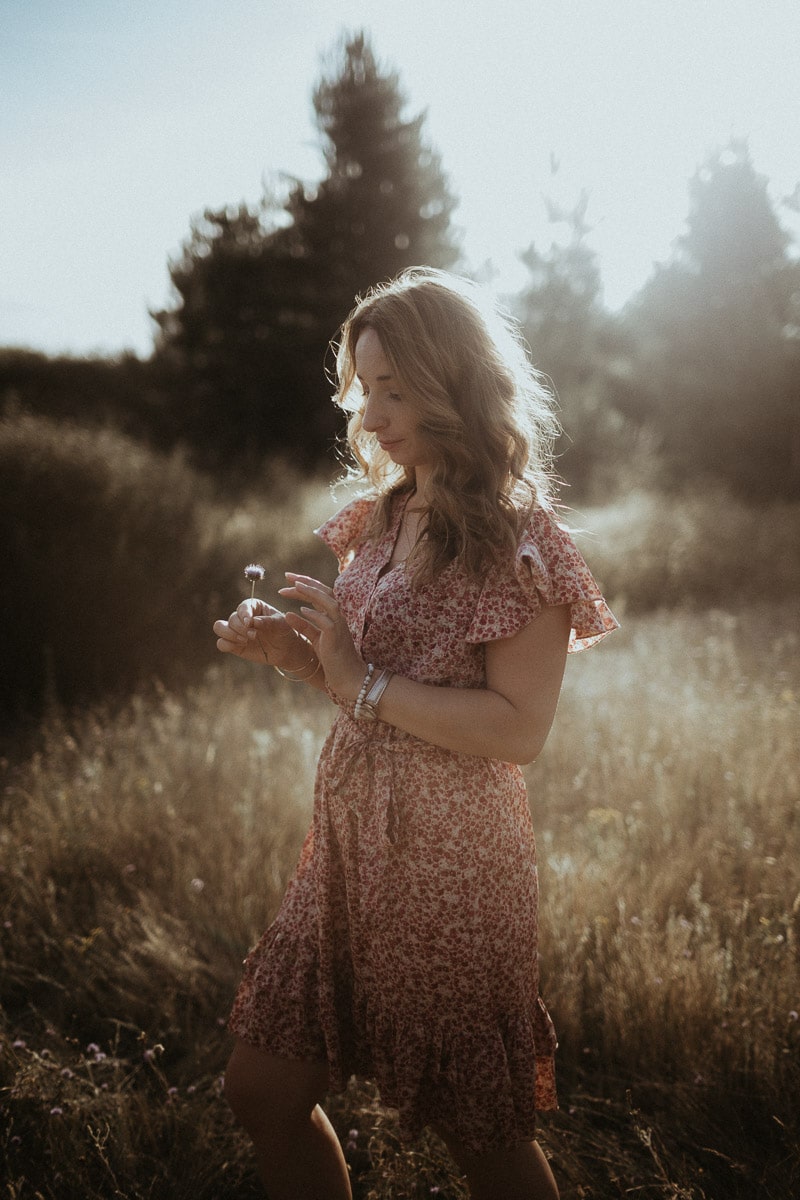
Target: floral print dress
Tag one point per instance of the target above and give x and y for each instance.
(405, 950)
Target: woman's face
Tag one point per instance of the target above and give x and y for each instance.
(387, 413)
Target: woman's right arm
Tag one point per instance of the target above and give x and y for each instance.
(259, 633)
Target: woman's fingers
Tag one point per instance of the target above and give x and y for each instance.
(294, 578)
(317, 595)
(302, 626)
(229, 641)
(225, 631)
(227, 647)
(248, 609)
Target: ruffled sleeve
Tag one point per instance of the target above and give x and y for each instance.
(345, 528)
(548, 569)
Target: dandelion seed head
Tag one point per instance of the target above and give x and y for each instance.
(254, 572)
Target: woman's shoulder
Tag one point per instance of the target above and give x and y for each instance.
(545, 534)
(546, 569)
(348, 526)
(545, 555)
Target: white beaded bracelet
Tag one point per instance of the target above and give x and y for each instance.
(364, 689)
(368, 709)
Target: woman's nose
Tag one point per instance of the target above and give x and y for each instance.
(373, 417)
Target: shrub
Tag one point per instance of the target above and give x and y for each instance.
(654, 550)
(117, 561)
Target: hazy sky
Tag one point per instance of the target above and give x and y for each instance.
(121, 119)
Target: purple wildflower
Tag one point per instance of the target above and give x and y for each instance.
(254, 572)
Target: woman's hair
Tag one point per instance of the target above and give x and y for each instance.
(483, 409)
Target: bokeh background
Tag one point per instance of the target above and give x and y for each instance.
(191, 198)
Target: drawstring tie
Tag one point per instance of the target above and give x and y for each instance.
(380, 753)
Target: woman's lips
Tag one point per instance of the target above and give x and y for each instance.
(389, 445)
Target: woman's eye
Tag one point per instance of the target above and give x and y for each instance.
(394, 396)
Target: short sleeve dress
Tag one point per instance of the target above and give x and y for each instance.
(406, 950)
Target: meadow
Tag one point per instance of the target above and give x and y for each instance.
(146, 841)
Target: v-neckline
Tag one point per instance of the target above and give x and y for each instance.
(392, 537)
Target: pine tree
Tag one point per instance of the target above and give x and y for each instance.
(716, 361)
(384, 204)
(233, 352)
(560, 309)
(573, 340)
(262, 292)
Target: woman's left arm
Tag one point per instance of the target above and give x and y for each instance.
(509, 719)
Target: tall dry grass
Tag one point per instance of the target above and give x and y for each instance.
(671, 882)
(142, 851)
(145, 843)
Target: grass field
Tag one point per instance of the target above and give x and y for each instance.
(146, 841)
(143, 849)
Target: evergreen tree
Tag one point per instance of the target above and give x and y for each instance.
(384, 204)
(233, 351)
(560, 309)
(261, 293)
(717, 351)
(575, 342)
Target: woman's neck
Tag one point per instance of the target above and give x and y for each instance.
(421, 479)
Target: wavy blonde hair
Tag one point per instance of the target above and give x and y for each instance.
(486, 413)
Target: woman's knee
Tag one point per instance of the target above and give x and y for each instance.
(266, 1091)
(521, 1169)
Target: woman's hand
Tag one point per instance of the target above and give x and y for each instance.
(258, 633)
(320, 621)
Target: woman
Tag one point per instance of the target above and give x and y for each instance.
(405, 949)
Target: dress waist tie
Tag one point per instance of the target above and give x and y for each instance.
(381, 755)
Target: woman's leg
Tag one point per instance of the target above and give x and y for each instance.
(277, 1101)
(519, 1172)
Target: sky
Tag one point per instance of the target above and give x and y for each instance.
(120, 120)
